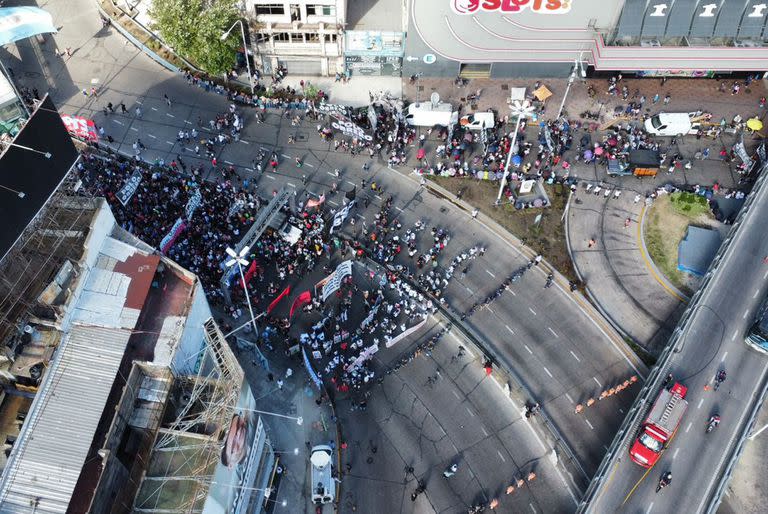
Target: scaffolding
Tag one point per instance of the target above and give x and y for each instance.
(55, 236)
(188, 446)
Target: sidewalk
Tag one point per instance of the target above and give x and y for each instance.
(618, 272)
(687, 95)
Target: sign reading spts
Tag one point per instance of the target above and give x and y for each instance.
(511, 6)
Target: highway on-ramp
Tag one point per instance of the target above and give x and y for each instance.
(712, 339)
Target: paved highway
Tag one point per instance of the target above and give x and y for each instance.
(713, 340)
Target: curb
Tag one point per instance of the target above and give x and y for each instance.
(502, 368)
(591, 304)
(657, 274)
(595, 303)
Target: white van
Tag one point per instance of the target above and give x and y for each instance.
(428, 115)
(669, 124)
(478, 121)
(323, 484)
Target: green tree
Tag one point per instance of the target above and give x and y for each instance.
(193, 28)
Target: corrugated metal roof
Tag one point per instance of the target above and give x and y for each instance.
(50, 452)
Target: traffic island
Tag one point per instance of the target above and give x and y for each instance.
(666, 224)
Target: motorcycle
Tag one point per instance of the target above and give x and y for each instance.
(550, 280)
(664, 481)
(713, 422)
(719, 378)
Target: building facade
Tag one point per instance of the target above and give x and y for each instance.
(540, 38)
(304, 36)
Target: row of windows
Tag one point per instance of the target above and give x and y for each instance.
(290, 37)
(312, 10)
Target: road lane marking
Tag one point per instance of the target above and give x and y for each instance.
(501, 456)
(700, 402)
(310, 165)
(529, 350)
(757, 292)
(468, 289)
(244, 142)
(169, 114)
(621, 411)
(456, 394)
(510, 330)
(140, 103)
(649, 508)
(513, 293)
(598, 382)
(548, 373)
(735, 333)
(484, 430)
(154, 108)
(674, 455)
(350, 183)
(230, 163)
(724, 356)
(150, 135)
(188, 122)
(569, 397)
(575, 357)
(470, 412)
(333, 203)
(554, 333)
(170, 143)
(491, 311)
(118, 122)
(286, 156)
(532, 508)
(491, 274)
(331, 174)
(746, 313)
(134, 129)
(533, 311)
(270, 177)
(399, 209)
(291, 184)
(589, 424)
(466, 350)
(688, 427)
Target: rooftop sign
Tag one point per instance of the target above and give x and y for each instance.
(511, 6)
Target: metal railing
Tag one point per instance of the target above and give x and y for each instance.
(653, 384)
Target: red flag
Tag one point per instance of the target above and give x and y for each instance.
(250, 272)
(300, 300)
(282, 295)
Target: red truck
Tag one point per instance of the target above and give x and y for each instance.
(660, 426)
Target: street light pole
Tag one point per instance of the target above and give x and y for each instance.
(245, 49)
(567, 89)
(238, 258)
(521, 110)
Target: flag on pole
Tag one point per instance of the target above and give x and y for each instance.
(302, 299)
(282, 295)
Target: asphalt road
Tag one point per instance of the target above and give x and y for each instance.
(712, 341)
(561, 354)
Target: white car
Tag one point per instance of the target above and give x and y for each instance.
(323, 484)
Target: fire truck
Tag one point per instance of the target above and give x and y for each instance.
(660, 426)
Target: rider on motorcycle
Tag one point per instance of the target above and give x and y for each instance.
(721, 376)
(714, 421)
(665, 480)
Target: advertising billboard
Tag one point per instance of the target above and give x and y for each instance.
(232, 486)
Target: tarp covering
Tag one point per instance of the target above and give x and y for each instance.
(22, 22)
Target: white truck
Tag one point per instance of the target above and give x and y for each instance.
(427, 114)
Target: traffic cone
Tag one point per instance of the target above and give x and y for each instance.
(603, 395)
(590, 402)
(531, 476)
(633, 378)
(494, 503)
(510, 489)
(520, 483)
(578, 409)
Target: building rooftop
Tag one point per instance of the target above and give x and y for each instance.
(31, 173)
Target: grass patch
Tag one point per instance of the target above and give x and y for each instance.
(668, 220)
(547, 237)
(689, 205)
(648, 359)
